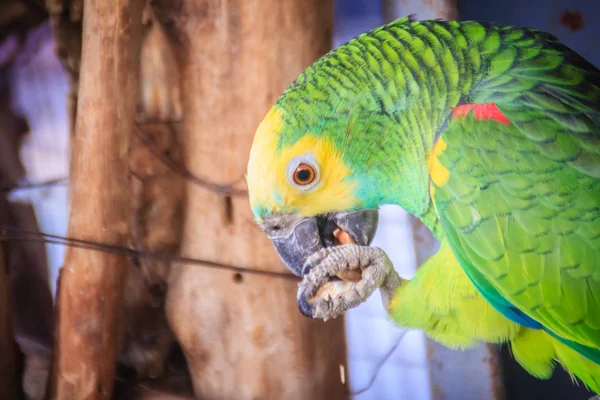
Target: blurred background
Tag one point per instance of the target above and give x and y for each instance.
(36, 99)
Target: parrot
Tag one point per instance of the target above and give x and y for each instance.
(490, 136)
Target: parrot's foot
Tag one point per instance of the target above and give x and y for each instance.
(322, 266)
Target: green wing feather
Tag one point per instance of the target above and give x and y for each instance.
(524, 221)
(521, 209)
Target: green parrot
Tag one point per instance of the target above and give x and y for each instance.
(490, 135)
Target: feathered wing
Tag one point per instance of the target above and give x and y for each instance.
(520, 205)
(522, 217)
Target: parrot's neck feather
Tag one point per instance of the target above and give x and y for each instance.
(381, 99)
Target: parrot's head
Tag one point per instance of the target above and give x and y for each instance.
(302, 187)
(338, 143)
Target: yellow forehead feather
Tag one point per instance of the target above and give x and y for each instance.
(268, 186)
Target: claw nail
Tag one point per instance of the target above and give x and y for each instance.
(306, 268)
(307, 309)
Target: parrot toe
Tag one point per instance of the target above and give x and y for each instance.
(324, 296)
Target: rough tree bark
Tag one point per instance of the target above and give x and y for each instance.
(243, 335)
(66, 17)
(90, 295)
(157, 190)
(157, 198)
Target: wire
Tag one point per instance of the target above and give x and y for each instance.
(226, 190)
(11, 234)
(177, 167)
(37, 185)
(14, 235)
(380, 364)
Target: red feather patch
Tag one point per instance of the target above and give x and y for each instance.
(482, 112)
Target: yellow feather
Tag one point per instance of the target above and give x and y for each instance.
(437, 172)
(444, 303)
(268, 186)
(538, 352)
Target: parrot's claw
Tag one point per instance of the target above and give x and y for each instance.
(319, 268)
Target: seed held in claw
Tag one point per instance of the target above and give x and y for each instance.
(353, 275)
(332, 289)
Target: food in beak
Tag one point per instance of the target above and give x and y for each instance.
(297, 238)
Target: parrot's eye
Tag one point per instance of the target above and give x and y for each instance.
(304, 174)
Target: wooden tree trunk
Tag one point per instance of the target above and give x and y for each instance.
(91, 285)
(243, 335)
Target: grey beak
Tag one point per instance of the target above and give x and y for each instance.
(295, 249)
(312, 234)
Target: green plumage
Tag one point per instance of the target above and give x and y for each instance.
(525, 227)
(520, 210)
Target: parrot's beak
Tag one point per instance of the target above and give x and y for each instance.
(311, 234)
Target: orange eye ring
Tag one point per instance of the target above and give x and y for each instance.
(304, 174)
